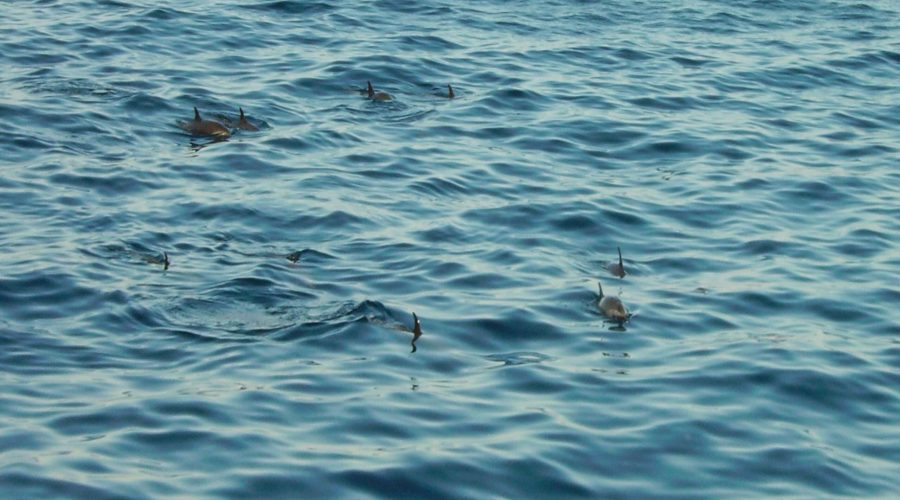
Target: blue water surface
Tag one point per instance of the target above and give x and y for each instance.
(743, 155)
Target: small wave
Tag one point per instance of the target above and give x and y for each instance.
(518, 358)
(292, 7)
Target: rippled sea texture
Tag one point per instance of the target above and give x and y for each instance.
(743, 154)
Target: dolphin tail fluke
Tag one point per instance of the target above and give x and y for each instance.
(196, 114)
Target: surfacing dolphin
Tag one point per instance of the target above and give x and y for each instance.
(244, 123)
(379, 95)
(208, 128)
(156, 260)
(612, 306)
(617, 268)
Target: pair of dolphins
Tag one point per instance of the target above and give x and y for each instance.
(384, 96)
(610, 305)
(211, 128)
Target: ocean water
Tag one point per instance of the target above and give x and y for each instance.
(742, 154)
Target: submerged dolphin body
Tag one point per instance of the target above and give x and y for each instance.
(377, 96)
(208, 128)
(612, 307)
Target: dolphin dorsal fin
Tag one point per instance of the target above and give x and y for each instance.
(196, 114)
(242, 113)
(165, 261)
(450, 95)
(417, 327)
(371, 89)
(621, 264)
(600, 287)
(417, 331)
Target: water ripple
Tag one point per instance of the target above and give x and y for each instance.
(186, 316)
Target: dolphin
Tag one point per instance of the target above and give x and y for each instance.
(200, 127)
(617, 269)
(417, 331)
(378, 96)
(245, 124)
(450, 94)
(156, 260)
(612, 306)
